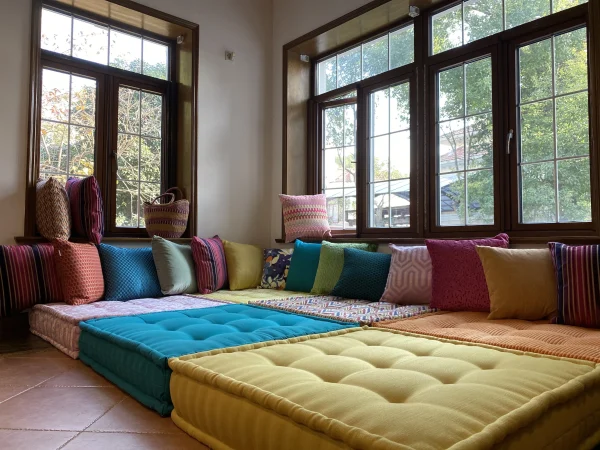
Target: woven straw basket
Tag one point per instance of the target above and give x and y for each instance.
(167, 220)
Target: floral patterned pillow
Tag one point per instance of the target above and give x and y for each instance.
(276, 267)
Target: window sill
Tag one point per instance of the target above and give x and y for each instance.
(21, 240)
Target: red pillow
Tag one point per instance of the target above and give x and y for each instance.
(79, 272)
(211, 266)
(87, 212)
(458, 280)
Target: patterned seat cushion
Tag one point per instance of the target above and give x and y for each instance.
(52, 210)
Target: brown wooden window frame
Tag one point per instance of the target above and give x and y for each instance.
(108, 81)
(501, 48)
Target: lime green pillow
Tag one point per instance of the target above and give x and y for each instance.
(244, 265)
(331, 263)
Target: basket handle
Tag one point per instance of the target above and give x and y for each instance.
(164, 195)
(175, 189)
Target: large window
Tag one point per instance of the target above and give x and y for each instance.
(480, 127)
(104, 111)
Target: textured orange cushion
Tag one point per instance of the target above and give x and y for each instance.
(521, 282)
(539, 337)
(79, 271)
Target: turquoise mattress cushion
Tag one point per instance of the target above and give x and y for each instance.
(133, 351)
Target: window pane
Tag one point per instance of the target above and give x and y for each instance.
(335, 208)
(570, 60)
(129, 110)
(348, 67)
(333, 168)
(81, 151)
(350, 208)
(400, 107)
(559, 5)
(156, 60)
(451, 147)
(127, 204)
(54, 140)
(538, 204)
(537, 131)
(574, 199)
(349, 166)
(327, 74)
(56, 32)
(480, 197)
(451, 101)
(350, 125)
(482, 18)
(479, 86)
(518, 13)
(380, 116)
(400, 155)
(452, 200)
(128, 152)
(151, 114)
(535, 71)
(446, 30)
(572, 136)
(380, 205)
(125, 51)
(148, 192)
(402, 47)
(400, 203)
(334, 127)
(380, 164)
(480, 141)
(90, 41)
(55, 95)
(83, 101)
(375, 57)
(150, 155)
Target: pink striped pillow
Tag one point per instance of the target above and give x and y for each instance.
(409, 280)
(211, 266)
(305, 216)
(87, 212)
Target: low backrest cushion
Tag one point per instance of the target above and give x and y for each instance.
(210, 262)
(305, 216)
(79, 272)
(128, 273)
(303, 268)
(521, 282)
(244, 265)
(52, 210)
(275, 268)
(364, 275)
(577, 270)
(409, 280)
(174, 266)
(27, 277)
(87, 212)
(331, 263)
(458, 281)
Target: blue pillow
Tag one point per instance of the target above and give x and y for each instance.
(303, 267)
(128, 273)
(364, 275)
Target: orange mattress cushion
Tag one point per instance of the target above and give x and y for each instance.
(539, 337)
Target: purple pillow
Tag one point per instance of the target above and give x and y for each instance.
(458, 278)
(87, 212)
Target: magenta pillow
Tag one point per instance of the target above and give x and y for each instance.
(305, 216)
(409, 280)
(458, 278)
(211, 266)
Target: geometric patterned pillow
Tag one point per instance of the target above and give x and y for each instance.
(53, 214)
(27, 277)
(578, 281)
(129, 273)
(210, 262)
(409, 281)
(305, 216)
(276, 268)
(87, 211)
(79, 272)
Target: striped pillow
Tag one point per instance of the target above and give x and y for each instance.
(305, 216)
(211, 266)
(86, 208)
(27, 277)
(578, 282)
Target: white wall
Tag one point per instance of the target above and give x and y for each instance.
(292, 19)
(234, 136)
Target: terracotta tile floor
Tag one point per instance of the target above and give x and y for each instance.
(49, 401)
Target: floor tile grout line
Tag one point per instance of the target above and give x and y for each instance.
(28, 389)
(105, 413)
(66, 443)
(52, 430)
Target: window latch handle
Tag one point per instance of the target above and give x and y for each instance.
(508, 139)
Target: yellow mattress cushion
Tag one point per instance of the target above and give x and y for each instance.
(244, 296)
(377, 389)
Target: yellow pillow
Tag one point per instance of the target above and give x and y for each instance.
(244, 265)
(521, 282)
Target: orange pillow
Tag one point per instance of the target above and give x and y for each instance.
(79, 272)
(521, 283)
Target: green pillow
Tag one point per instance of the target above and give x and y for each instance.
(364, 275)
(331, 263)
(174, 266)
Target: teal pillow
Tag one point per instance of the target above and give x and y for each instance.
(303, 267)
(331, 263)
(364, 275)
(174, 266)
